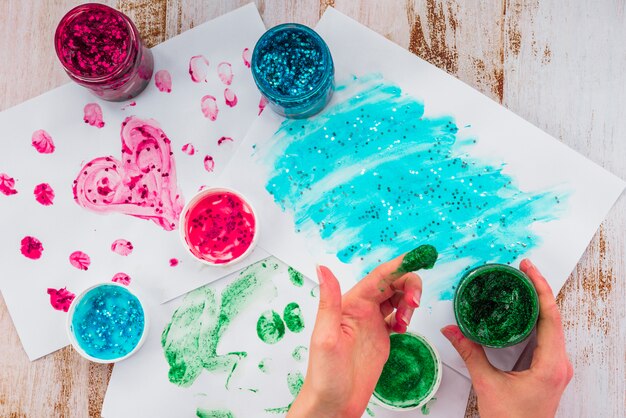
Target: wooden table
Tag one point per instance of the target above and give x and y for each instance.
(561, 68)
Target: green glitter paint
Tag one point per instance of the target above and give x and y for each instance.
(299, 352)
(410, 374)
(295, 380)
(295, 276)
(426, 407)
(270, 327)
(293, 317)
(214, 413)
(264, 365)
(496, 305)
(190, 339)
(422, 257)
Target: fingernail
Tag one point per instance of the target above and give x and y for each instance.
(450, 333)
(320, 273)
(416, 298)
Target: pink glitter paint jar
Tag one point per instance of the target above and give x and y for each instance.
(101, 49)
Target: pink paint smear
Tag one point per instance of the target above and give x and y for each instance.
(246, 55)
(143, 184)
(80, 260)
(31, 247)
(209, 164)
(121, 278)
(7, 185)
(225, 72)
(198, 67)
(208, 104)
(163, 81)
(188, 149)
(61, 299)
(44, 194)
(230, 98)
(224, 139)
(173, 262)
(122, 247)
(262, 104)
(93, 115)
(42, 141)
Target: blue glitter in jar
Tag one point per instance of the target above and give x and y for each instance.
(107, 322)
(293, 69)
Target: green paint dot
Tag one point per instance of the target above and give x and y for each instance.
(270, 327)
(214, 413)
(422, 257)
(265, 365)
(410, 374)
(299, 352)
(293, 317)
(295, 276)
(295, 380)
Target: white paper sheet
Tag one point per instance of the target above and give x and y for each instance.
(65, 227)
(536, 162)
(139, 386)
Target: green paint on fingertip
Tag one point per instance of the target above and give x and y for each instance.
(422, 257)
(292, 314)
(213, 413)
(299, 353)
(296, 277)
(270, 327)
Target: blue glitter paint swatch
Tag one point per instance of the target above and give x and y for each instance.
(375, 178)
(108, 322)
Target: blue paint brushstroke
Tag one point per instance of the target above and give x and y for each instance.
(375, 178)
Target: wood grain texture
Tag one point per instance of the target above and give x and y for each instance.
(561, 68)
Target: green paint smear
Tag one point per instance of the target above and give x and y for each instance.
(422, 257)
(315, 291)
(214, 413)
(409, 374)
(370, 412)
(293, 317)
(299, 352)
(295, 380)
(270, 327)
(264, 365)
(426, 407)
(190, 339)
(296, 277)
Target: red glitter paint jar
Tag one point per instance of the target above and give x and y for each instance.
(101, 49)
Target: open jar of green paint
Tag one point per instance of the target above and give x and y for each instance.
(496, 305)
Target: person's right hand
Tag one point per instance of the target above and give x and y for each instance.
(535, 392)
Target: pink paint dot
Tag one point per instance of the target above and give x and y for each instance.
(173, 262)
(61, 299)
(44, 194)
(224, 139)
(209, 164)
(80, 260)
(225, 73)
(131, 104)
(163, 81)
(198, 66)
(208, 105)
(122, 247)
(230, 98)
(31, 247)
(7, 185)
(188, 149)
(93, 115)
(42, 141)
(121, 278)
(246, 55)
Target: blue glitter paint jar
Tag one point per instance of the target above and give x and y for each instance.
(293, 69)
(106, 323)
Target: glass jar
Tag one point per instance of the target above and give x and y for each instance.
(293, 69)
(101, 49)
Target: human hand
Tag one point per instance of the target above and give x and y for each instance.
(535, 392)
(350, 341)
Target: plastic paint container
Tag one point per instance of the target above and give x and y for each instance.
(496, 305)
(218, 226)
(412, 374)
(107, 323)
(293, 68)
(101, 49)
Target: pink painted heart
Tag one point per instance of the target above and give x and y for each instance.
(142, 184)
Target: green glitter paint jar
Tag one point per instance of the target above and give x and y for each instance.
(496, 305)
(412, 373)
(293, 69)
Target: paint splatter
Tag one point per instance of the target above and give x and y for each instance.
(44, 194)
(191, 338)
(61, 299)
(295, 277)
(224, 139)
(270, 327)
(299, 353)
(31, 247)
(209, 163)
(213, 413)
(370, 412)
(265, 365)
(131, 104)
(121, 278)
(295, 380)
(143, 184)
(163, 81)
(225, 72)
(246, 56)
(122, 247)
(208, 105)
(80, 260)
(230, 98)
(42, 141)
(174, 262)
(7, 185)
(262, 103)
(426, 407)
(188, 149)
(292, 315)
(93, 115)
(371, 173)
(315, 291)
(198, 67)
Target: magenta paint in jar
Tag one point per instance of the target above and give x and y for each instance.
(101, 49)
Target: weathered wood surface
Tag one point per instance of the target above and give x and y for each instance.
(560, 67)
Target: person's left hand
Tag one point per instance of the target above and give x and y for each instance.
(350, 341)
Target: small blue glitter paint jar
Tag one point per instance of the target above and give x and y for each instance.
(107, 323)
(292, 67)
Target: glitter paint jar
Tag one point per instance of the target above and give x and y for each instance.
(293, 69)
(496, 305)
(107, 323)
(101, 49)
